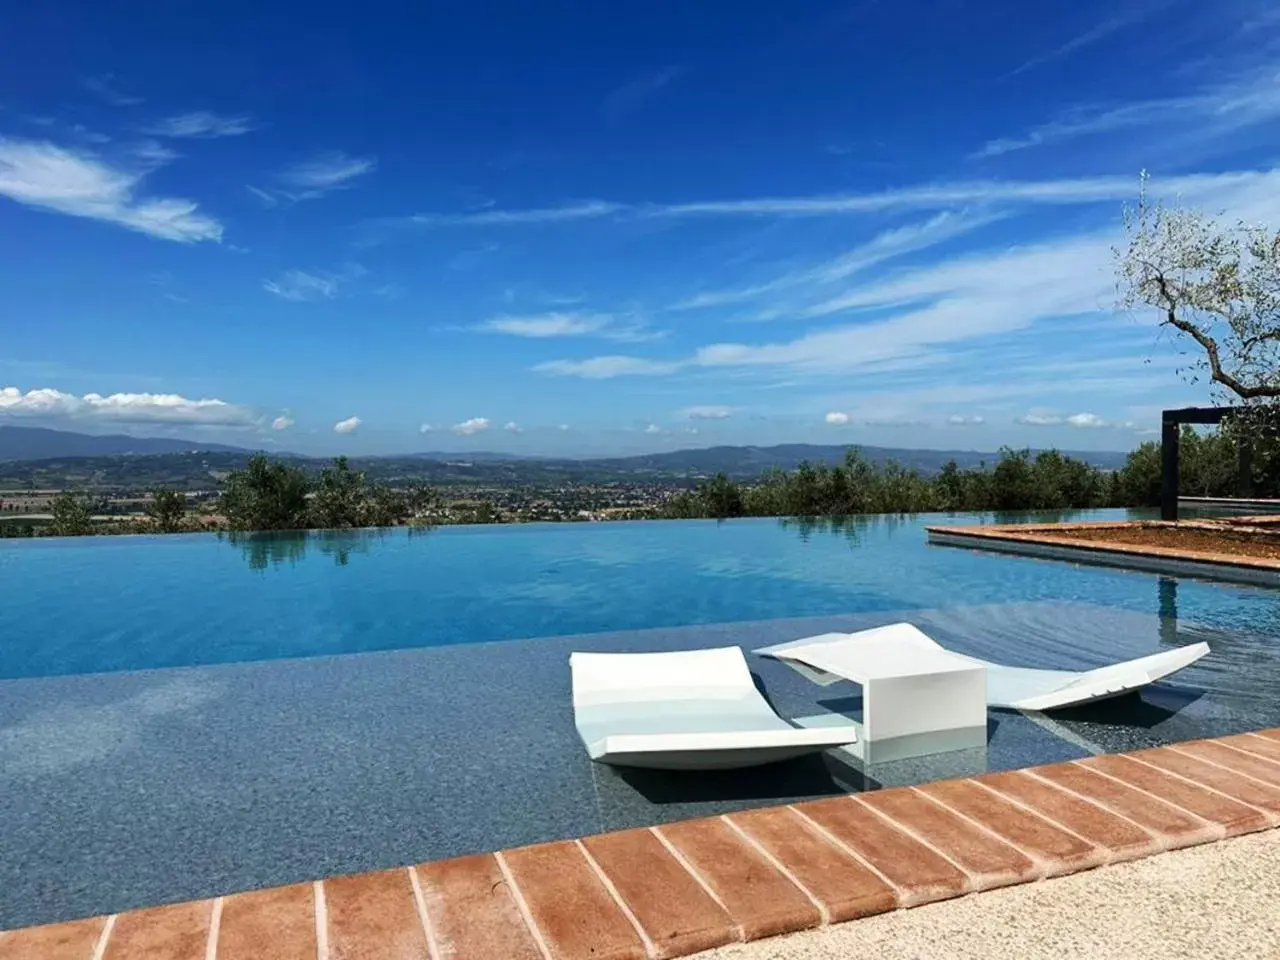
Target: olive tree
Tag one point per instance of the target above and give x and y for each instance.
(265, 495)
(339, 496)
(1216, 284)
(167, 509)
(72, 514)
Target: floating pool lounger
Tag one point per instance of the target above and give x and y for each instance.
(687, 710)
(1015, 688)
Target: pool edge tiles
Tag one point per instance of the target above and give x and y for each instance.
(744, 876)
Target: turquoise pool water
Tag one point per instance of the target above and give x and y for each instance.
(122, 786)
(88, 605)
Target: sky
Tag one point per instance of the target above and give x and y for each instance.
(583, 228)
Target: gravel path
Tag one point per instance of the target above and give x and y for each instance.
(1219, 900)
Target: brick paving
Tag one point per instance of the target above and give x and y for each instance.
(682, 888)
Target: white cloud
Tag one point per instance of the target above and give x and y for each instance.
(710, 412)
(281, 423)
(200, 124)
(932, 196)
(348, 425)
(921, 312)
(305, 285)
(547, 325)
(652, 428)
(300, 286)
(473, 426)
(553, 325)
(963, 420)
(589, 210)
(123, 407)
(40, 174)
(1098, 32)
(105, 88)
(513, 427)
(836, 418)
(880, 248)
(327, 171)
(955, 301)
(631, 96)
(426, 428)
(314, 178)
(604, 368)
(266, 197)
(1085, 420)
(1238, 103)
(1040, 420)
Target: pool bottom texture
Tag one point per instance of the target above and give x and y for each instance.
(134, 788)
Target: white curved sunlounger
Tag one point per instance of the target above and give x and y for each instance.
(838, 655)
(687, 710)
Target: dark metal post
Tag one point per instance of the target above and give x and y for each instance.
(1169, 430)
(1244, 465)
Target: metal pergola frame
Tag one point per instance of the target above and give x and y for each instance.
(1171, 422)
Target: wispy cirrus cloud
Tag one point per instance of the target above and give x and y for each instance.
(933, 196)
(879, 249)
(1100, 31)
(558, 325)
(958, 300)
(634, 94)
(314, 178)
(915, 318)
(606, 368)
(707, 412)
(82, 184)
(327, 171)
(105, 89)
(1218, 110)
(302, 285)
(200, 125)
(585, 210)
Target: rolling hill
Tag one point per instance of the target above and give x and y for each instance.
(39, 443)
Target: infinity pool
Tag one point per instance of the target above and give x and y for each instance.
(91, 605)
(181, 717)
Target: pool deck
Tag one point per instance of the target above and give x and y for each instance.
(684, 887)
(1046, 540)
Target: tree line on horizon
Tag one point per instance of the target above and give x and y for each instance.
(272, 495)
(1017, 480)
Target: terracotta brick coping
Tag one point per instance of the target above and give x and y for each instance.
(681, 888)
(1046, 535)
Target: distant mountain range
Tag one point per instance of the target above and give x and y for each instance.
(38, 443)
(36, 447)
(753, 461)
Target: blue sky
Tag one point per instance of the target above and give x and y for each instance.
(586, 228)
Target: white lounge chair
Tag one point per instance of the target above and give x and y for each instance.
(829, 657)
(688, 710)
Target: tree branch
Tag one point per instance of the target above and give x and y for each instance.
(1210, 346)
